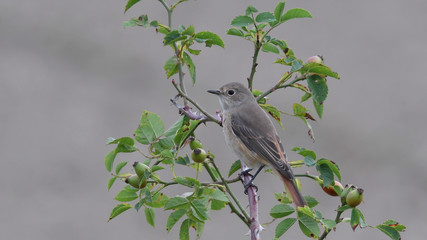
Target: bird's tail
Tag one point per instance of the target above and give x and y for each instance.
(293, 190)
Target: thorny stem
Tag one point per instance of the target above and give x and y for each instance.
(183, 94)
(254, 62)
(244, 217)
(327, 231)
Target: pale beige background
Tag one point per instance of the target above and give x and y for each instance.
(71, 76)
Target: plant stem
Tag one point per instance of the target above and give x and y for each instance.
(279, 85)
(183, 94)
(244, 217)
(327, 231)
(175, 47)
(257, 47)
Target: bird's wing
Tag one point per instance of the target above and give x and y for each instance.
(268, 147)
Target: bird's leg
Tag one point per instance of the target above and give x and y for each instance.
(249, 184)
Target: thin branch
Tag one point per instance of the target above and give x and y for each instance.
(189, 113)
(257, 47)
(280, 85)
(327, 231)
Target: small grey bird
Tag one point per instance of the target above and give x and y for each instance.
(250, 134)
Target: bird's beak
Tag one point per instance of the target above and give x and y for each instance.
(216, 92)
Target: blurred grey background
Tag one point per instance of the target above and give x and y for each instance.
(71, 76)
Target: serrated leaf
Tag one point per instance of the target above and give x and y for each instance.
(318, 88)
(234, 167)
(318, 68)
(318, 107)
(269, 47)
(389, 231)
(281, 210)
(158, 200)
(326, 174)
(296, 65)
(174, 218)
(184, 233)
(251, 9)
(185, 131)
(190, 66)
(308, 225)
(265, 17)
(120, 166)
(149, 215)
(175, 127)
(188, 31)
(172, 37)
(235, 32)
(333, 166)
(200, 209)
(273, 111)
(305, 97)
(111, 182)
(118, 210)
(187, 181)
(299, 110)
(150, 127)
(125, 144)
(109, 160)
(284, 226)
(328, 223)
(171, 66)
(219, 196)
(279, 10)
(392, 223)
(354, 220)
(130, 3)
(209, 38)
(176, 202)
(241, 21)
(311, 201)
(126, 196)
(217, 205)
(295, 13)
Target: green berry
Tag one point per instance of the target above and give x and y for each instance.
(141, 169)
(135, 181)
(354, 197)
(198, 155)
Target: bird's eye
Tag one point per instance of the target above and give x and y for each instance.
(231, 92)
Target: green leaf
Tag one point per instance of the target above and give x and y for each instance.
(284, 226)
(193, 51)
(280, 43)
(318, 107)
(130, 3)
(184, 231)
(299, 110)
(281, 197)
(311, 201)
(269, 47)
(234, 167)
(150, 127)
(273, 111)
(355, 218)
(209, 38)
(241, 21)
(109, 160)
(171, 66)
(174, 218)
(186, 130)
(120, 166)
(118, 210)
(296, 65)
(318, 68)
(333, 166)
(265, 17)
(172, 37)
(279, 10)
(235, 32)
(126, 196)
(219, 196)
(217, 205)
(125, 144)
(175, 127)
(318, 88)
(305, 97)
(154, 23)
(188, 31)
(176, 202)
(158, 200)
(295, 13)
(187, 181)
(149, 215)
(389, 231)
(308, 225)
(191, 67)
(281, 210)
(251, 9)
(326, 174)
(111, 182)
(395, 225)
(328, 223)
(200, 208)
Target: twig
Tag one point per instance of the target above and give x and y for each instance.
(255, 227)
(187, 110)
(257, 47)
(327, 231)
(279, 85)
